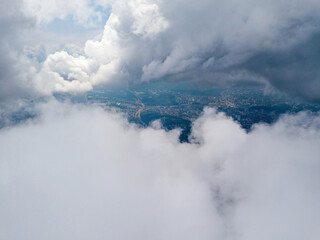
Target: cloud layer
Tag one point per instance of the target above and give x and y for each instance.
(85, 12)
(147, 40)
(78, 173)
(273, 42)
(16, 72)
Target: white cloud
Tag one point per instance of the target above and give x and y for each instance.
(20, 49)
(82, 11)
(80, 172)
(145, 40)
(64, 72)
(148, 21)
(104, 58)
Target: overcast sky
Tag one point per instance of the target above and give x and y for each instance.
(72, 46)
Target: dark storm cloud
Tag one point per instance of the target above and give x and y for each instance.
(295, 70)
(207, 40)
(214, 41)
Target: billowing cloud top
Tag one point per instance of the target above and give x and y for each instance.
(83, 173)
(146, 40)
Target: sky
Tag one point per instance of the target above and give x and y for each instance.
(75, 46)
(81, 172)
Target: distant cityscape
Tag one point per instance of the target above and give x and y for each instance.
(178, 105)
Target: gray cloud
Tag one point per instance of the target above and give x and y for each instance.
(295, 70)
(79, 173)
(149, 40)
(15, 69)
(209, 40)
